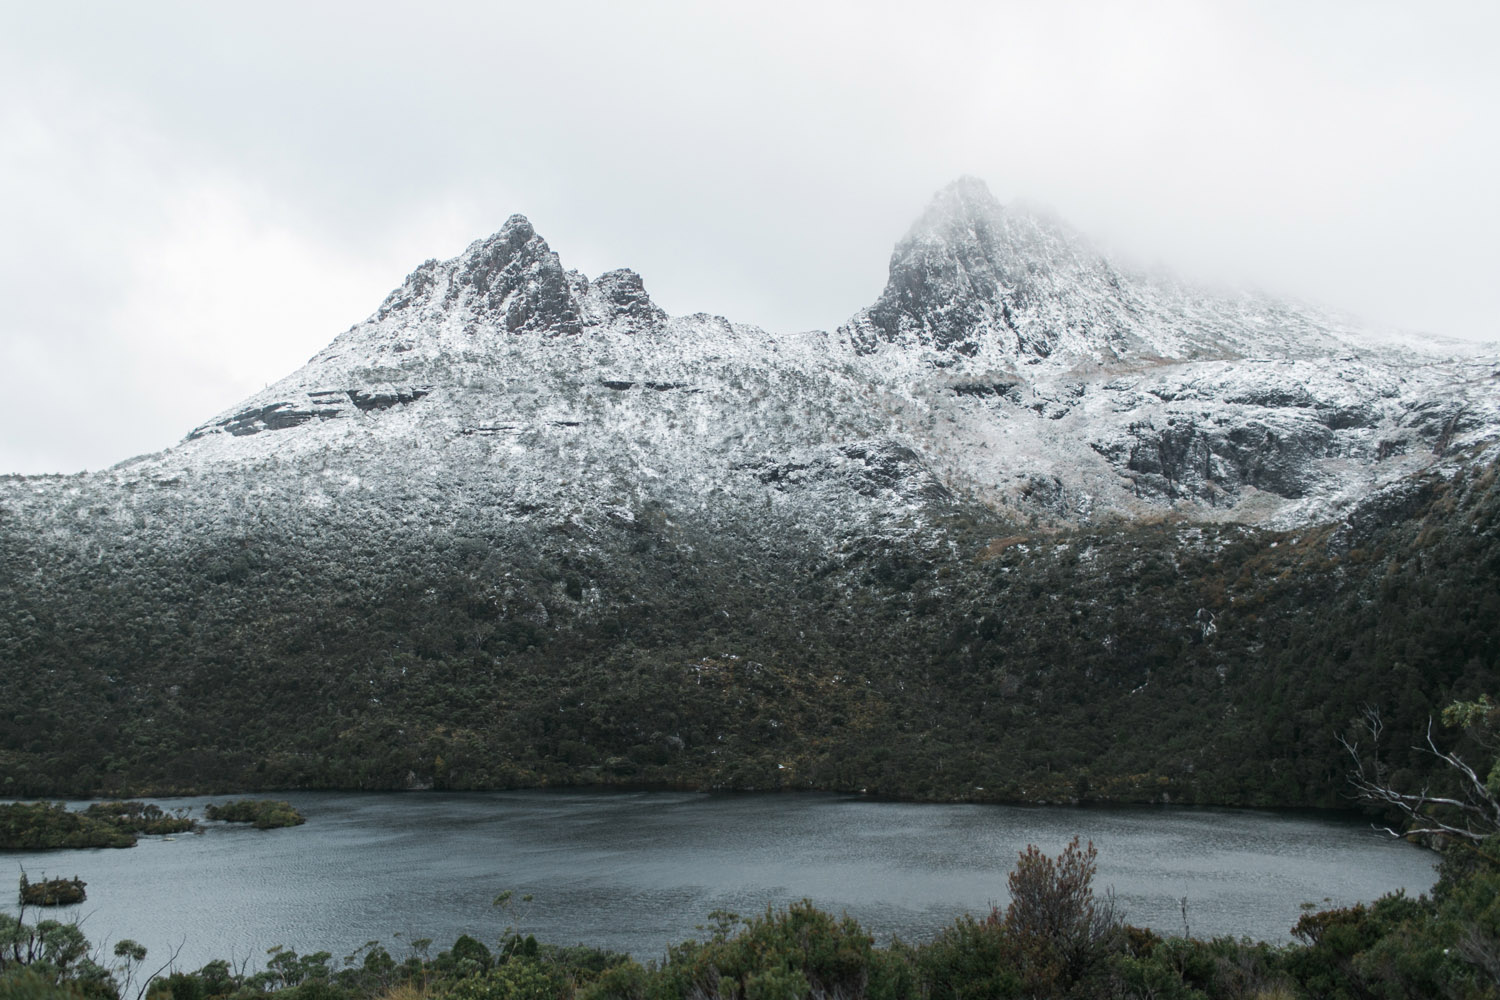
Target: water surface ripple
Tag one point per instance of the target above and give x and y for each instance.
(635, 871)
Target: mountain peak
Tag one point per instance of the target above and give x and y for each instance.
(965, 278)
(979, 285)
(515, 279)
(967, 199)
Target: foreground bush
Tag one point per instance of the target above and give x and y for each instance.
(796, 952)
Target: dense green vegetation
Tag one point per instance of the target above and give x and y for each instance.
(265, 814)
(37, 826)
(978, 659)
(141, 817)
(1056, 938)
(52, 891)
(40, 826)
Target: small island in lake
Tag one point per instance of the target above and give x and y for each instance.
(52, 891)
(50, 826)
(264, 814)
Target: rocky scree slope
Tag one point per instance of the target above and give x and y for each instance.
(1030, 526)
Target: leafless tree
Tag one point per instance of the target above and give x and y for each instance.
(1470, 813)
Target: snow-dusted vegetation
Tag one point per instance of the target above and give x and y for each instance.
(1031, 526)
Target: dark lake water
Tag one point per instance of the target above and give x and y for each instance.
(637, 871)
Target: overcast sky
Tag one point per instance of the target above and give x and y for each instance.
(194, 198)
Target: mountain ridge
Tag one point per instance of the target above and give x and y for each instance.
(520, 526)
(991, 319)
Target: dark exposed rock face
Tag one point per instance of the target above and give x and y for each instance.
(1214, 462)
(275, 417)
(385, 400)
(416, 289)
(1437, 421)
(511, 279)
(952, 281)
(970, 275)
(515, 282)
(518, 282)
(995, 389)
(869, 471)
(318, 404)
(619, 298)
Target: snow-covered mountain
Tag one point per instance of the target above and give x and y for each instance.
(1007, 361)
(522, 526)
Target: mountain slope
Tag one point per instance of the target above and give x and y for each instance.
(1022, 367)
(1030, 526)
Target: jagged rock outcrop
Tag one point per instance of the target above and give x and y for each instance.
(970, 276)
(618, 299)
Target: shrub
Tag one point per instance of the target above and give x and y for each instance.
(971, 959)
(517, 979)
(626, 981)
(798, 948)
(1060, 930)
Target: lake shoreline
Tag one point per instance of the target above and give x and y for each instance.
(1354, 808)
(634, 871)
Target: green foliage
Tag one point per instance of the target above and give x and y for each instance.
(287, 968)
(1480, 719)
(799, 951)
(34, 826)
(470, 955)
(141, 817)
(264, 814)
(625, 981)
(971, 960)
(1467, 920)
(1053, 939)
(49, 959)
(39, 826)
(32, 984)
(520, 978)
(52, 892)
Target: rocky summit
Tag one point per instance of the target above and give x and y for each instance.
(1032, 526)
(1008, 359)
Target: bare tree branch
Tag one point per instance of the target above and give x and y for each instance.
(1473, 817)
(171, 961)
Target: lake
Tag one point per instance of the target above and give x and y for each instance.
(635, 871)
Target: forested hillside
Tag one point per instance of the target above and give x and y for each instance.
(985, 660)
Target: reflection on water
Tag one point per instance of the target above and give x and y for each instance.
(635, 871)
